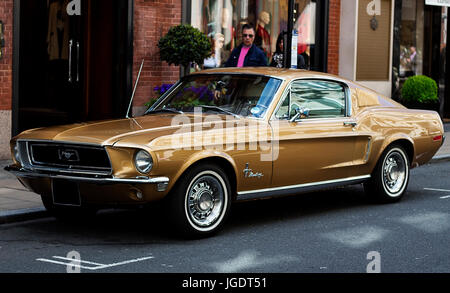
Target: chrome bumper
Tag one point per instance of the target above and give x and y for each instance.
(162, 182)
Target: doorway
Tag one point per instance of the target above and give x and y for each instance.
(73, 68)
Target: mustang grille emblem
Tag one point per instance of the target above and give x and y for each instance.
(68, 155)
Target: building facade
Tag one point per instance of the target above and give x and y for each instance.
(64, 61)
(383, 42)
(67, 61)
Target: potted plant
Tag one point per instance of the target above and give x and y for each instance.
(183, 45)
(420, 92)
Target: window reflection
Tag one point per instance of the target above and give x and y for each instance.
(411, 42)
(305, 26)
(244, 95)
(222, 20)
(319, 99)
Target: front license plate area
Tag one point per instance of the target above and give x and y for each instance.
(65, 193)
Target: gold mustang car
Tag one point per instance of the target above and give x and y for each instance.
(225, 135)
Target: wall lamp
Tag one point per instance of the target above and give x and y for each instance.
(2, 39)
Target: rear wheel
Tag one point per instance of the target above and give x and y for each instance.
(200, 201)
(390, 177)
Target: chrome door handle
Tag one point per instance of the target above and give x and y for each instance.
(70, 60)
(350, 123)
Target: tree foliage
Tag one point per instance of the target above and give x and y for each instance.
(184, 44)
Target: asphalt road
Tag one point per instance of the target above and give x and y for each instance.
(335, 231)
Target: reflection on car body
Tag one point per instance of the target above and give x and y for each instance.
(225, 135)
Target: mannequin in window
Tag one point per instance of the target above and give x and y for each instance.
(216, 58)
(262, 39)
(304, 35)
(58, 31)
(212, 61)
(221, 55)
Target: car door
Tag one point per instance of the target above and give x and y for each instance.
(314, 132)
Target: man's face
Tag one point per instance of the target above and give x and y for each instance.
(248, 35)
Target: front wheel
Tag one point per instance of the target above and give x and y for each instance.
(200, 201)
(390, 177)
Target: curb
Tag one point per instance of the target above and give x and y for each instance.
(441, 158)
(13, 216)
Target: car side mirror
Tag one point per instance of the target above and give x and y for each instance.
(301, 112)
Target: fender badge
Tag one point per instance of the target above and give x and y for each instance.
(248, 173)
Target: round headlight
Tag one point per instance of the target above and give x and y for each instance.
(143, 161)
(17, 153)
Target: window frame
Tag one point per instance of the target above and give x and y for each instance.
(287, 93)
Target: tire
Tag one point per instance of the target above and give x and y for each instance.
(200, 201)
(390, 178)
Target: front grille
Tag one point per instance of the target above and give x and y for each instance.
(68, 157)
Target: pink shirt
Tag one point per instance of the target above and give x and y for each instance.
(244, 52)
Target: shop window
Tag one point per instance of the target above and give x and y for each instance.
(222, 20)
(421, 43)
(411, 39)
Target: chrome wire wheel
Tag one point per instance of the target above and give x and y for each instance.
(206, 200)
(395, 172)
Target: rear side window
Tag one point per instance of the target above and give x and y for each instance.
(321, 99)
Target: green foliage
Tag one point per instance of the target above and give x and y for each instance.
(151, 102)
(184, 44)
(420, 89)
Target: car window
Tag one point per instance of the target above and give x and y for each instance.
(244, 95)
(316, 98)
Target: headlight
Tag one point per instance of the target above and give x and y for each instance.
(143, 161)
(16, 153)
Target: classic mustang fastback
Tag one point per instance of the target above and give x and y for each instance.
(225, 135)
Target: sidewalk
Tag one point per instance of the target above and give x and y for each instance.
(18, 204)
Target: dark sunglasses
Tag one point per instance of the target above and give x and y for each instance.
(249, 36)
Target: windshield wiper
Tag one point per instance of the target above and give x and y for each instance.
(170, 110)
(218, 109)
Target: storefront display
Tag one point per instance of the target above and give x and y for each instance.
(420, 46)
(223, 20)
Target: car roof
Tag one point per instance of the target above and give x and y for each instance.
(289, 74)
(284, 73)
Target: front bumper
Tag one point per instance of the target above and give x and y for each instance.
(162, 182)
(101, 191)
(98, 190)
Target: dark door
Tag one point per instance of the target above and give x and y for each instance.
(74, 63)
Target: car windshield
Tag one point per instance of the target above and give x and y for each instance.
(238, 95)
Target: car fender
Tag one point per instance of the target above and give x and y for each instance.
(205, 155)
(397, 137)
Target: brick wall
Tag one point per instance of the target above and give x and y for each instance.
(152, 19)
(6, 15)
(333, 36)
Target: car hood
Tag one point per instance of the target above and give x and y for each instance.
(134, 131)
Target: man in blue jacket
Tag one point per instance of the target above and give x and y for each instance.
(247, 54)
